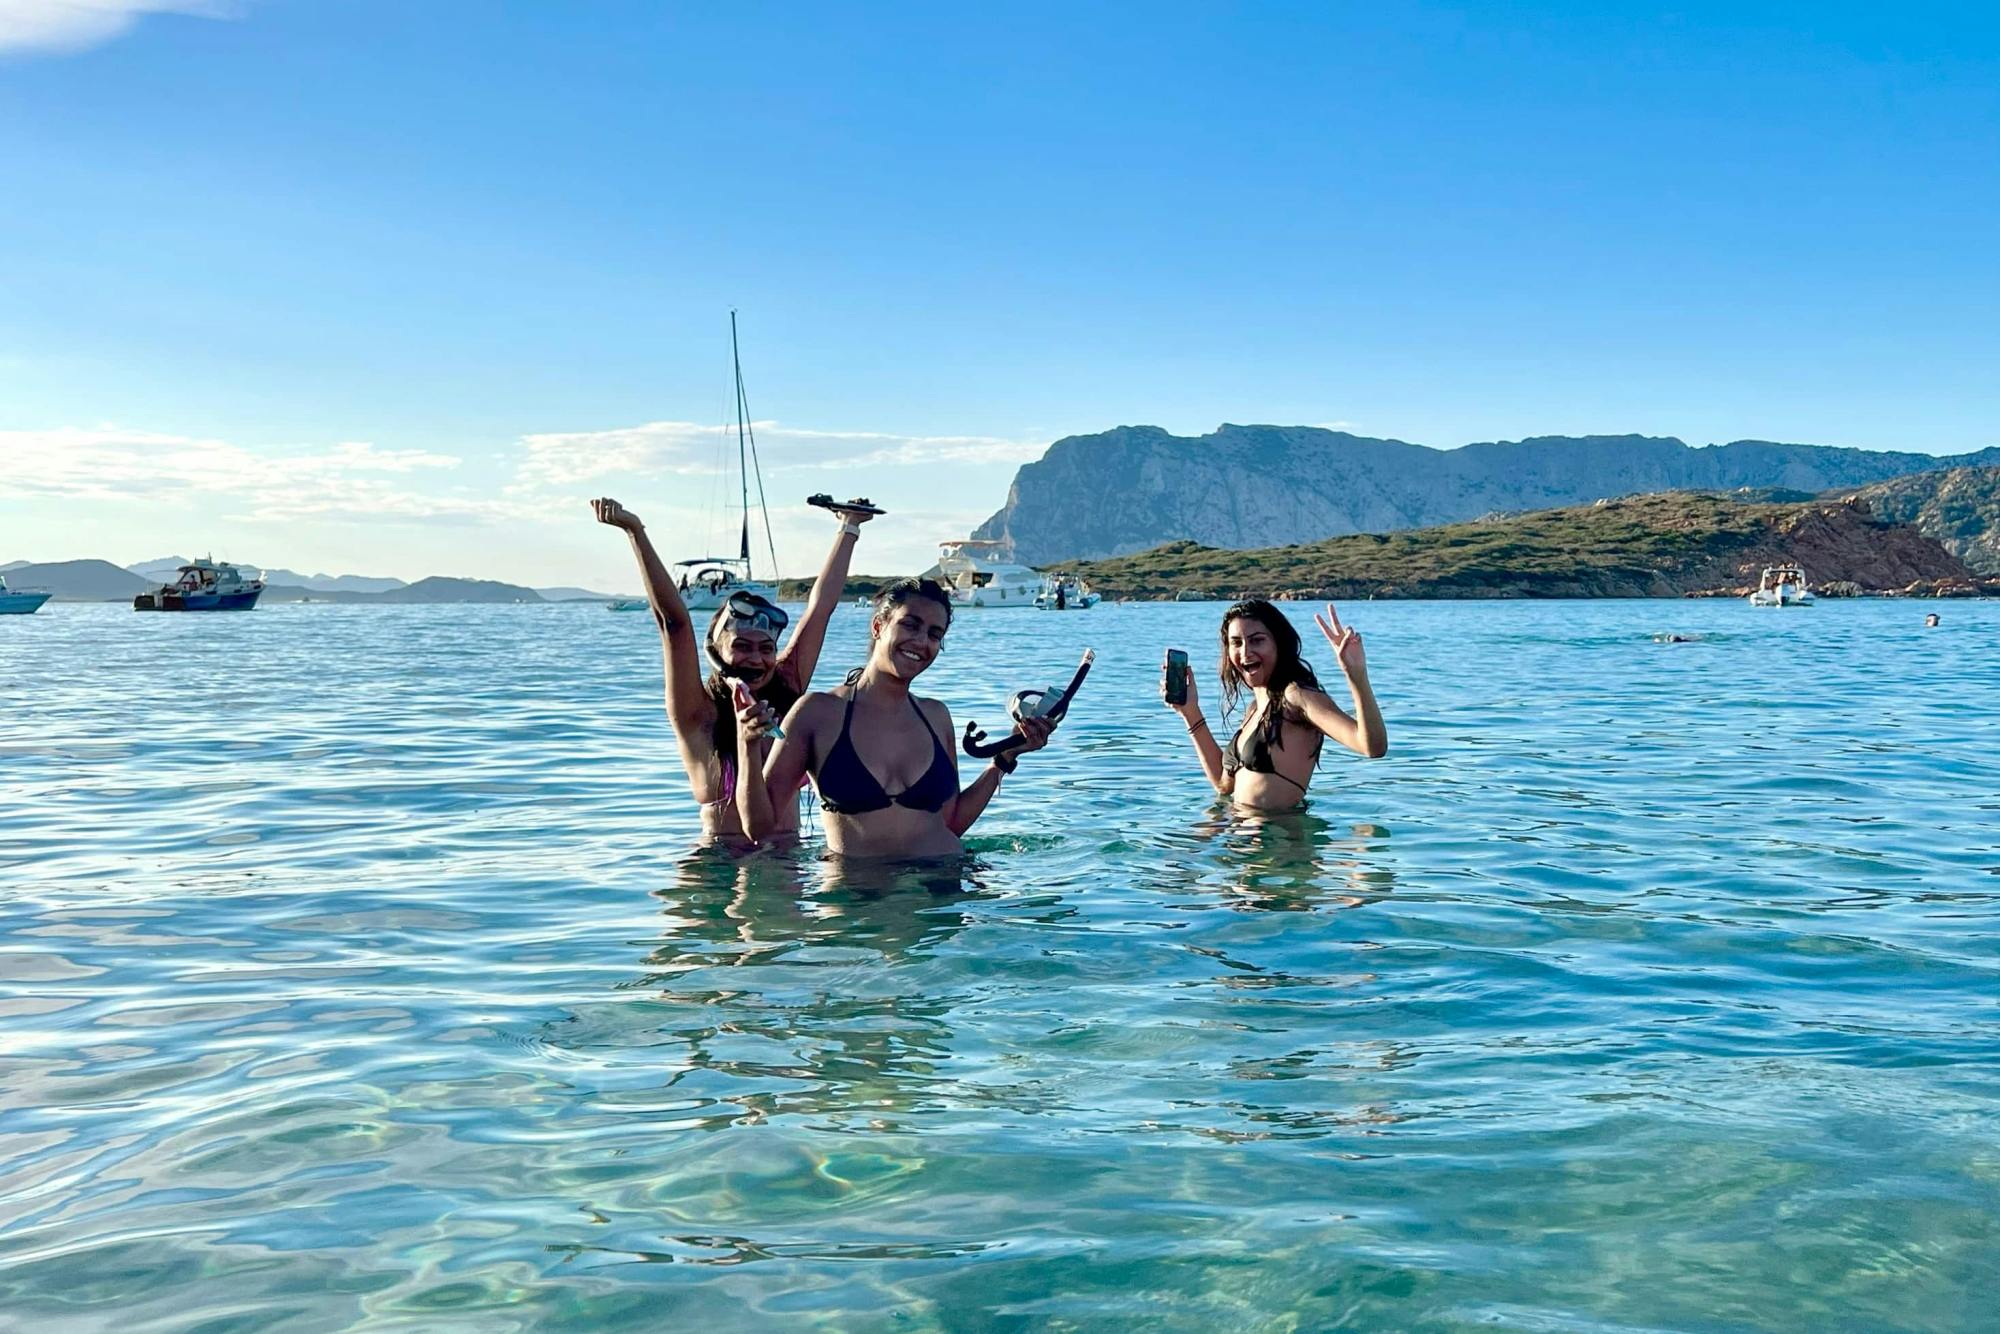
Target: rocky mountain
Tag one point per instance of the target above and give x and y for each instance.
(1135, 487)
(1960, 507)
(1659, 545)
(79, 580)
(437, 588)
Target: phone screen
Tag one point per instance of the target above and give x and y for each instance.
(1177, 676)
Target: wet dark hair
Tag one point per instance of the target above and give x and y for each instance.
(908, 590)
(721, 688)
(892, 596)
(1290, 669)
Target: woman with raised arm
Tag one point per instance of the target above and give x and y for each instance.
(741, 645)
(1271, 758)
(880, 755)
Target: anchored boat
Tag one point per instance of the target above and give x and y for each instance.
(203, 585)
(1782, 586)
(975, 574)
(20, 601)
(706, 582)
(1060, 594)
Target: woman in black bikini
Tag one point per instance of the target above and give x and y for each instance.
(880, 756)
(741, 645)
(1270, 760)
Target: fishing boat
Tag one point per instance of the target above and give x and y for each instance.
(20, 601)
(706, 582)
(977, 575)
(203, 585)
(1782, 586)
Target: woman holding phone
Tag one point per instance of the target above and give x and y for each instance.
(1270, 759)
(741, 646)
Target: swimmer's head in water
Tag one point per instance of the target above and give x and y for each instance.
(743, 638)
(1931, 619)
(908, 627)
(1260, 649)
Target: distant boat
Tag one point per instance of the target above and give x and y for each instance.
(706, 582)
(627, 604)
(972, 569)
(1782, 586)
(203, 585)
(20, 601)
(1074, 596)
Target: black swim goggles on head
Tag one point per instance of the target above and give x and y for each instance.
(747, 611)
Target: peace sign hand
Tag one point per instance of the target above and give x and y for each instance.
(1346, 641)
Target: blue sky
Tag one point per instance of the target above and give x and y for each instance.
(393, 288)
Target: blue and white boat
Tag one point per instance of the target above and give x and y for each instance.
(20, 601)
(203, 585)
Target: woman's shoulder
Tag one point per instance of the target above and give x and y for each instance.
(1299, 696)
(935, 709)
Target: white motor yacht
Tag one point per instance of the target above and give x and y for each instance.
(1782, 586)
(978, 575)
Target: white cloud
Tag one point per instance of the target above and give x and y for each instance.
(73, 25)
(348, 481)
(354, 505)
(692, 449)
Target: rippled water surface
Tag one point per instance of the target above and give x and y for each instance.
(356, 970)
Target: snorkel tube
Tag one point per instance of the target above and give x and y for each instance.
(1049, 704)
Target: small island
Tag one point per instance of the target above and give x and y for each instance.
(1664, 544)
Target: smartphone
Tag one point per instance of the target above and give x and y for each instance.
(1177, 676)
(744, 697)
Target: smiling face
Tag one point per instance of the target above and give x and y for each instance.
(907, 636)
(1249, 649)
(751, 655)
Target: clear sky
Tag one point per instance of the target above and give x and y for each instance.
(392, 288)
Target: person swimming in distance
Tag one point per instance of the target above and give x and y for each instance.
(879, 755)
(1270, 760)
(741, 645)
(1931, 621)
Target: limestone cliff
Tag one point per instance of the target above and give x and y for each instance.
(1135, 487)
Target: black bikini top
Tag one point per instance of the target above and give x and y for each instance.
(1256, 757)
(847, 788)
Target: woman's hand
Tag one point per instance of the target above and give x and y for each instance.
(852, 516)
(1346, 641)
(1034, 733)
(754, 718)
(610, 511)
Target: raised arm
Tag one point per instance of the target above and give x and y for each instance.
(688, 705)
(780, 772)
(1206, 748)
(801, 655)
(970, 803)
(1363, 732)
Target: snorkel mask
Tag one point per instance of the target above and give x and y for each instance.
(743, 612)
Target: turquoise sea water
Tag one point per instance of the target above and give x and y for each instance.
(355, 971)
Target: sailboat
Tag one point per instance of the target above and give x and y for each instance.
(706, 582)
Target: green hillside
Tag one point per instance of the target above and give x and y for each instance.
(1656, 545)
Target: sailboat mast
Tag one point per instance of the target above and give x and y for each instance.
(742, 468)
